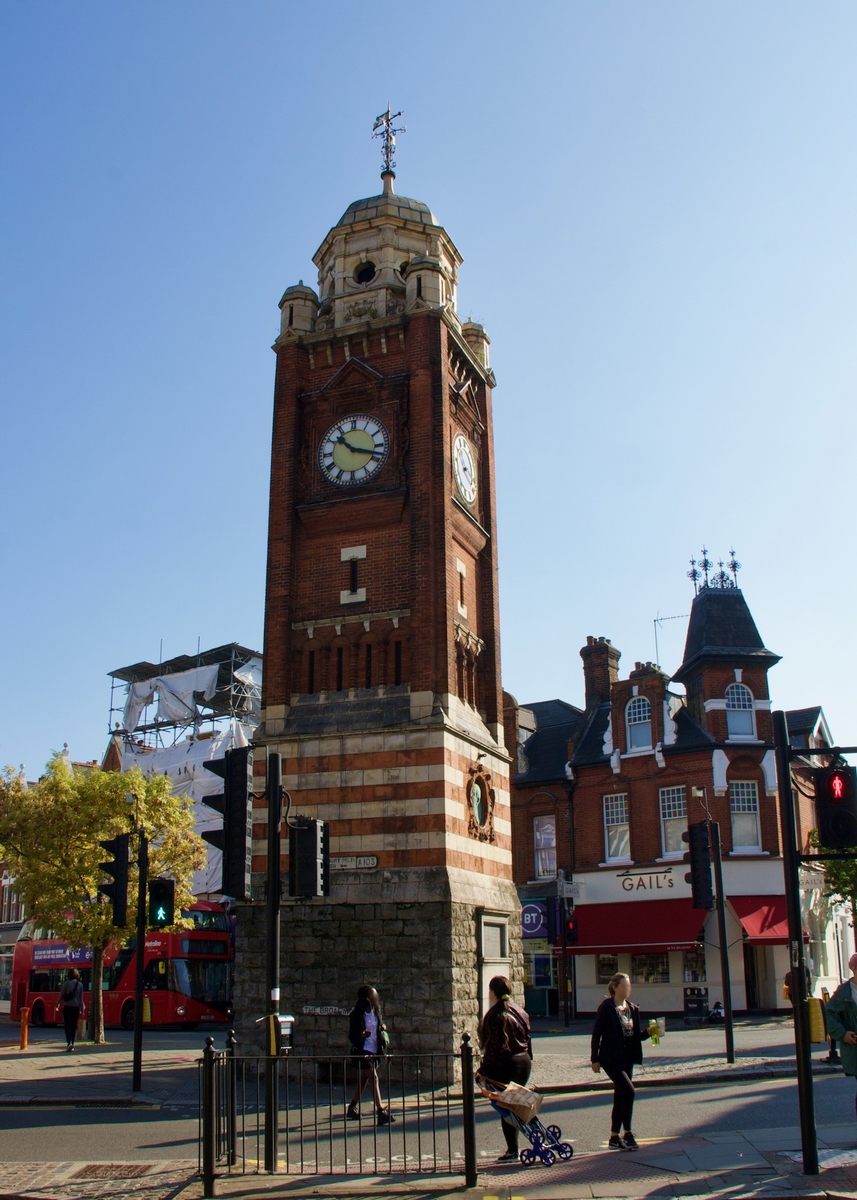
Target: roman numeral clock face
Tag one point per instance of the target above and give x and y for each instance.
(353, 450)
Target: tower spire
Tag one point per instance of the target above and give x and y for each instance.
(386, 131)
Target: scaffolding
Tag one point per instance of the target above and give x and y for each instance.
(234, 694)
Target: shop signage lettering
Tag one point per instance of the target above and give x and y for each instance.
(534, 921)
(646, 881)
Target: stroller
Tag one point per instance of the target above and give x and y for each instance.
(523, 1111)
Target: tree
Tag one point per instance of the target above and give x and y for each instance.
(840, 875)
(50, 835)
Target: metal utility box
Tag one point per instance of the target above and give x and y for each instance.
(279, 1030)
(695, 1006)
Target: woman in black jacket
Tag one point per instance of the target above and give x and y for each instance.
(617, 1047)
(507, 1051)
(367, 1034)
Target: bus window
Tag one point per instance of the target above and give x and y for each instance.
(155, 976)
(214, 921)
(202, 979)
(113, 975)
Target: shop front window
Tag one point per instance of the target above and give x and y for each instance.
(693, 966)
(608, 965)
(650, 968)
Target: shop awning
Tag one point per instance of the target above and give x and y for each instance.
(763, 918)
(637, 926)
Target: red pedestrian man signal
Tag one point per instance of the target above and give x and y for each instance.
(836, 786)
(836, 807)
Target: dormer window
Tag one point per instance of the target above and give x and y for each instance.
(638, 722)
(740, 716)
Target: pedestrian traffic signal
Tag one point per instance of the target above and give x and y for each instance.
(162, 902)
(309, 857)
(699, 857)
(836, 806)
(571, 931)
(118, 868)
(235, 803)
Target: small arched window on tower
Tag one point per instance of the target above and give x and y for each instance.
(638, 723)
(740, 715)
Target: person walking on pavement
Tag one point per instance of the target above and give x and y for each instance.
(840, 1013)
(71, 999)
(507, 1051)
(369, 1040)
(617, 1047)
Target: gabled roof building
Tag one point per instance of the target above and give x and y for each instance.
(605, 794)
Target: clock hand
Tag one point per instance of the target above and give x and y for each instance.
(359, 449)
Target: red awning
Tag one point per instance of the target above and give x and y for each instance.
(764, 919)
(637, 926)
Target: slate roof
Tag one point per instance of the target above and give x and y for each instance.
(590, 748)
(388, 206)
(721, 626)
(546, 750)
(689, 735)
(803, 720)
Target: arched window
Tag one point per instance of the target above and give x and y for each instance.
(740, 717)
(638, 722)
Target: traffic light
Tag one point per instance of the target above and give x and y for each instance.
(309, 857)
(162, 903)
(118, 868)
(836, 806)
(235, 803)
(571, 931)
(699, 857)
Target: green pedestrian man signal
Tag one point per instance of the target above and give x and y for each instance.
(162, 903)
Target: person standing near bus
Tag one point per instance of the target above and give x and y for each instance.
(71, 999)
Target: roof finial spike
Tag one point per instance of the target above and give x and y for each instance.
(386, 131)
(734, 566)
(705, 566)
(693, 575)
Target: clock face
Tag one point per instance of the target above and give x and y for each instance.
(464, 468)
(353, 450)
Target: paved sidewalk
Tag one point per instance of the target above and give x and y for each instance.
(757, 1164)
(45, 1074)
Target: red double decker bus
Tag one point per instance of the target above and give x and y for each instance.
(187, 976)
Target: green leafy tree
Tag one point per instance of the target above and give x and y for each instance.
(49, 837)
(840, 875)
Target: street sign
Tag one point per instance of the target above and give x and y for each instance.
(567, 890)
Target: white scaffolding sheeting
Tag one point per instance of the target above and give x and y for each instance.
(183, 763)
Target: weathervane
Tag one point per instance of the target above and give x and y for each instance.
(700, 568)
(384, 129)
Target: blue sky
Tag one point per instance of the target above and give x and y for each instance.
(655, 204)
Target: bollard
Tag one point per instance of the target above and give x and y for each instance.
(231, 1100)
(468, 1111)
(25, 1028)
(209, 1120)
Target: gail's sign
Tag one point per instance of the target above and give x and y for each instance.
(646, 881)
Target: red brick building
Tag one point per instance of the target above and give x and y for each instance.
(634, 767)
(382, 657)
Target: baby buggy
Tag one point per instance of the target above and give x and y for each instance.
(521, 1107)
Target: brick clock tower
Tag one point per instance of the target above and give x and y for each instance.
(382, 651)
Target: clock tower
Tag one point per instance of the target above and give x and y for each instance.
(382, 650)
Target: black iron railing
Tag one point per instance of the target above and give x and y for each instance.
(426, 1126)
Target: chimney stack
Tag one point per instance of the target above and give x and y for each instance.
(600, 668)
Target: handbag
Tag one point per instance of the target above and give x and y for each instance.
(523, 1102)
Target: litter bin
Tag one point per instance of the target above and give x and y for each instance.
(695, 1006)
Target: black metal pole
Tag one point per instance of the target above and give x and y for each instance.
(468, 1112)
(142, 888)
(209, 1118)
(720, 902)
(272, 958)
(231, 1100)
(791, 863)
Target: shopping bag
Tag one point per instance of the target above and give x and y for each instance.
(523, 1102)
